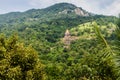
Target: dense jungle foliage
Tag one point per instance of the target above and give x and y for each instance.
(32, 45)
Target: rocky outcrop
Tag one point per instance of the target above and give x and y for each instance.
(77, 11)
(80, 12)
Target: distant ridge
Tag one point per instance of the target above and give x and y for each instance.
(56, 11)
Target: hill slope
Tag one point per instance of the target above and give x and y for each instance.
(52, 12)
(48, 24)
(57, 11)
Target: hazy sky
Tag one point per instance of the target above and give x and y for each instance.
(107, 7)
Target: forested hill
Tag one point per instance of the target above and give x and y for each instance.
(71, 43)
(48, 24)
(52, 12)
(61, 10)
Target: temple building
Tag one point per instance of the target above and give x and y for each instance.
(68, 39)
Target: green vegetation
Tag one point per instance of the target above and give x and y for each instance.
(19, 62)
(39, 53)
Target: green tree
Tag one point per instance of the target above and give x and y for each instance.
(19, 62)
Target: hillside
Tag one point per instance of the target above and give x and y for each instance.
(87, 30)
(50, 23)
(60, 42)
(52, 12)
(61, 10)
(47, 26)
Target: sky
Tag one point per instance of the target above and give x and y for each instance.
(105, 7)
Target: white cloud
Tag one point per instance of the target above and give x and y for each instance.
(41, 3)
(2, 11)
(113, 9)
